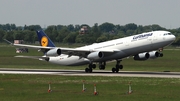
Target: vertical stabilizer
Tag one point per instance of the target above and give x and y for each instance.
(44, 40)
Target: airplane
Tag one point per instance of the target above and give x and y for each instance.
(144, 46)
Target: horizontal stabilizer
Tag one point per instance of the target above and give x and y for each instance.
(32, 57)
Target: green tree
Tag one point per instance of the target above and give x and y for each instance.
(77, 28)
(59, 27)
(70, 27)
(2, 33)
(129, 32)
(51, 31)
(102, 38)
(156, 27)
(9, 36)
(18, 35)
(121, 34)
(62, 34)
(95, 31)
(13, 26)
(29, 36)
(70, 38)
(81, 38)
(84, 38)
(34, 27)
(131, 26)
(107, 27)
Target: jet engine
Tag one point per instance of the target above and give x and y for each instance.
(54, 52)
(155, 54)
(95, 55)
(141, 56)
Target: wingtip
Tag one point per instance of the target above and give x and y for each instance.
(8, 41)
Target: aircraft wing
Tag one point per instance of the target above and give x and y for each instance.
(68, 51)
(32, 46)
(63, 49)
(82, 52)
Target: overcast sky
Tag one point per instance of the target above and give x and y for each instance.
(165, 13)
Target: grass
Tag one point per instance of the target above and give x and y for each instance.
(17, 87)
(68, 88)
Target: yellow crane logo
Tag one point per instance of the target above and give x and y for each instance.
(44, 41)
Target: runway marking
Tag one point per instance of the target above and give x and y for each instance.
(94, 73)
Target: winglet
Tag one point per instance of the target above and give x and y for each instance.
(44, 40)
(8, 41)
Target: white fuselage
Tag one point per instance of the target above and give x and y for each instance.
(123, 47)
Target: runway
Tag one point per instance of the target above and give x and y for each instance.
(94, 73)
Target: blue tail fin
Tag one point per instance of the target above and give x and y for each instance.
(44, 40)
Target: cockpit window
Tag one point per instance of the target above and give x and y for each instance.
(167, 34)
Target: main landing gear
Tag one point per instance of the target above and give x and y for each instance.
(118, 66)
(91, 66)
(102, 66)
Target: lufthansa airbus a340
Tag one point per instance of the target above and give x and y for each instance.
(141, 46)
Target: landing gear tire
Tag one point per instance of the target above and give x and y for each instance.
(92, 66)
(115, 70)
(102, 67)
(120, 66)
(160, 54)
(88, 70)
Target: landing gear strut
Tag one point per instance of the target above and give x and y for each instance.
(102, 65)
(118, 66)
(160, 52)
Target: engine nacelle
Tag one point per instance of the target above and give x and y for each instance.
(95, 55)
(155, 54)
(54, 52)
(141, 56)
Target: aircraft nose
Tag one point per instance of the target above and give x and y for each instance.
(173, 37)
